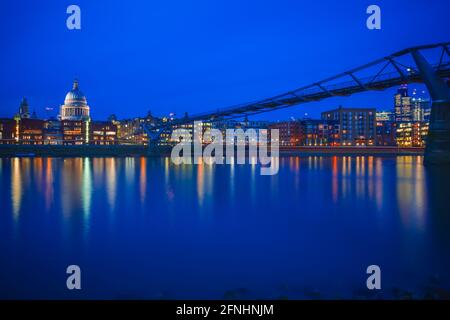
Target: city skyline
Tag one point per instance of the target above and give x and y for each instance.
(55, 111)
(232, 157)
(406, 124)
(174, 64)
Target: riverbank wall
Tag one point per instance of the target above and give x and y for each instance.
(350, 151)
(135, 151)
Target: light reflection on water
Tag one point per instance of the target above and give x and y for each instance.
(86, 187)
(49, 190)
(111, 182)
(143, 178)
(16, 181)
(199, 230)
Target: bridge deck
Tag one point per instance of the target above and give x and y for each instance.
(326, 88)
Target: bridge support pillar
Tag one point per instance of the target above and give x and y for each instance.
(437, 150)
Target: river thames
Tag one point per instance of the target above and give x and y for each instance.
(144, 228)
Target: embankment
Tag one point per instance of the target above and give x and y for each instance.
(134, 151)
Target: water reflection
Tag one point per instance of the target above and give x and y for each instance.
(99, 171)
(111, 182)
(72, 172)
(252, 186)
(166, 169)
(379, 183)
(86, 186)
(334, 183)
(129, 171)
(410, 189)
(49, 190)
(16, 187)
(170, 193)
(38, 171)
(360, 176)
(200, 183)
(346, 171)
(392, 205)
(231, 181)
(372, 181)
(143, 178)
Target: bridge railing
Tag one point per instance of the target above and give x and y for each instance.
(389, 71)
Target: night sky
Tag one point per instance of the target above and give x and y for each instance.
(177, 56)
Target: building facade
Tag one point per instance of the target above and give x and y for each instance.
(411, 134)
(8, 129)
(420, 107)
(31, 131)
(52, 132)
(289, 133)
(75, 132)
(356, 125)
(320, 132)
(103, 133)
(386, 133)
(383, 116)
(402, 104)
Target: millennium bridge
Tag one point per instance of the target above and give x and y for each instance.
(428, 64)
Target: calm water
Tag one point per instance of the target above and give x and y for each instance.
(144, 228)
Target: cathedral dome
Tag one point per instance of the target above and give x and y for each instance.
(75, 97)
(75, 105)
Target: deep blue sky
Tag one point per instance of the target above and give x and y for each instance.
(132, 56)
